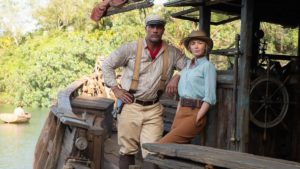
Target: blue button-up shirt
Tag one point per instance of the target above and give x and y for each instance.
(199, 81)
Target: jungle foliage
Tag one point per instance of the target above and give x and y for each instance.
(67, 43)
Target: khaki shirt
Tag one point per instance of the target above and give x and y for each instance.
(150, 70)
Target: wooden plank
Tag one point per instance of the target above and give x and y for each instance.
(57, 145)
(48, 134)
(74, 122)
(90, 102)
(66, 148)
(219, 157)
(224, 78)
(173, 163)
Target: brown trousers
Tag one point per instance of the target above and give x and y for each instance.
(184, 127)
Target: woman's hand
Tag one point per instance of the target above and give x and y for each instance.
(202, 111)
(122, 94)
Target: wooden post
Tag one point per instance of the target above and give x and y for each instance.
(299, 40)
(247, 16)
(204, 20)
(209, 139)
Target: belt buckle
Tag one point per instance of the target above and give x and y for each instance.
(189, 103)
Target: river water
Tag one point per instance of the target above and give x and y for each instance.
(17, 141)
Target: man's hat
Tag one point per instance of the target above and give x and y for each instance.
(155, 20)
(201, 35)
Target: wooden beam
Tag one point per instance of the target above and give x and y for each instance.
(298, 40)
(187, 18)
(184, 12)
(242, 128)
(173, 163)
(179, 3)
(231, 52)
(195, 154)
(282, 57)
(204, 20)
(112, 11)
(225, 21)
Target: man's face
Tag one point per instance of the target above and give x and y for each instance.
(154, 33)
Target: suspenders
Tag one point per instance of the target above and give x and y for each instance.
(135, 77)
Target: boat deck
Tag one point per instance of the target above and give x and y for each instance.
(111, 152)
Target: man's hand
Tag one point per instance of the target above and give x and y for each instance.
(122, 94)
(171, 88)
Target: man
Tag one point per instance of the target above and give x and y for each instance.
(19, 111)
(141, 119)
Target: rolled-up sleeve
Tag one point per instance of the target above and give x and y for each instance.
(210, 84)
(116, 59)
(180, 58)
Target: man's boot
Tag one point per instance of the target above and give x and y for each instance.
(148, 165)
(125, 161)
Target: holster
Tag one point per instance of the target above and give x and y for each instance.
(118, 108)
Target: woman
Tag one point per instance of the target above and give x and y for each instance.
(196, 88)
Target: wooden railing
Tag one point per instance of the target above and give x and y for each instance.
(74, 132)
(177, 156)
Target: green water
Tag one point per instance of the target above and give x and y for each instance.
(17, 141)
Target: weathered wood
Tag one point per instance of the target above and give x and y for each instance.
(204, 20)
(41, 153)
(74, 122)
(129, 7)
(57, 142)
(63, 97)
(134, 167)
(73, 164)
(298, 52)
(225, 21)
(232, 122)
(89, 102)
(167, 163)
(219, 157)
(224, 77)
(242, 131)
(67, 147)
(92, 121)
(225, 52)
(97, 146)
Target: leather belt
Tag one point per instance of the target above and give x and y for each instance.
(190, 103)
(146, 102)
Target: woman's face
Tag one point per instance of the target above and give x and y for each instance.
(197, 47)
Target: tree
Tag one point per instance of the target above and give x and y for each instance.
(67, 14)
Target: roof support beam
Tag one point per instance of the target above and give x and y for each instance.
(225, 21)
(243, 98)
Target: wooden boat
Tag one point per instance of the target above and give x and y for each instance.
(78, 133)
(79, 130)
(12, 118)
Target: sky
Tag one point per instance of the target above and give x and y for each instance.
(23, 17)
(16, 14)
